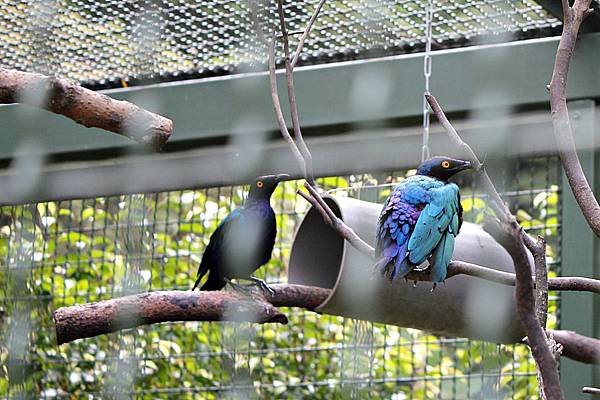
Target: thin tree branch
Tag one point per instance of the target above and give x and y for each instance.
(279, 112)
(298, 146)
(564, 283)
(497, 203)
(316, 205)
(563, 133)
(292, 96)
(86, 107)
(344, 230)
(304, 36)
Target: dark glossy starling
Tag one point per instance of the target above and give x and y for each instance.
(244, 240)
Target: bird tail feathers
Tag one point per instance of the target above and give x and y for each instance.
(202, 270)
(213, 283)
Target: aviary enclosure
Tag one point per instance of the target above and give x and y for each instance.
(95, 228)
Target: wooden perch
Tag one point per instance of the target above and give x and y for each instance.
(87, 320)
(84, 106)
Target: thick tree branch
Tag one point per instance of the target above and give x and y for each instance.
(573, 17)
(544, 357)
(88, 320)
(84, 106)
(107, 316)
(538, 250)
(578, 347)
(514, 239)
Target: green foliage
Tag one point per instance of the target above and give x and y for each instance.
(102, 248)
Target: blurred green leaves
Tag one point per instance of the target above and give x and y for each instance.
(90, 248)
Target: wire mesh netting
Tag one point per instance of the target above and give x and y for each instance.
(63, 253)
(103, 43)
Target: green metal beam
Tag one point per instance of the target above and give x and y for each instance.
(503, 75)
(580, 255)
(496, 133)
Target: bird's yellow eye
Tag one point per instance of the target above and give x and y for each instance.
(260, 184)
(445, 164)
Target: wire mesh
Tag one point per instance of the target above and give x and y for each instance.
(101, 248)
(103, 44)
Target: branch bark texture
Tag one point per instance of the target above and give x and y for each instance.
(88, 320)
(526, 311)
(86, 107)
(578, 347)
(108, 316)
(563, 133)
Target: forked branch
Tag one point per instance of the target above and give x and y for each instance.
(573, 17)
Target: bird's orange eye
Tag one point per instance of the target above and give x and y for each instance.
(260, 184)
(445, 164)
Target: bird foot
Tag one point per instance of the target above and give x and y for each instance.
(262, 285)
(239, 288)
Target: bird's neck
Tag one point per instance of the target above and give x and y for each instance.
(258, 204)
(434, 177)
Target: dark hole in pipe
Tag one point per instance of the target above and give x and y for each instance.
(317, 250)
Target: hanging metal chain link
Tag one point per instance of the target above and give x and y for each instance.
(427, 74)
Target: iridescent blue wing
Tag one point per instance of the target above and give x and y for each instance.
(394, 228)
(437, 218)
(442, 254)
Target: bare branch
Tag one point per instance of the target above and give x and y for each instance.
(107, 316)
(298, 146)
(88, 320)
(578, 347)
(317, 206)
(538, 250)
(86, 107)
(540, 350)
(279, 113)
(344, 230)
(467, 153)
(292, 97)
(512, 237)
(563, 133)
(304, 36)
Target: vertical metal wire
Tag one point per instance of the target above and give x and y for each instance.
(427, 74)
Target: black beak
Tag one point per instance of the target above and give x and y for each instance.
(463, 166)
(282, 177)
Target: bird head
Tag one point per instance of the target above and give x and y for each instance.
(264, 186)
(442, 168)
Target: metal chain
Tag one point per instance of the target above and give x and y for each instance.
(427, 74)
